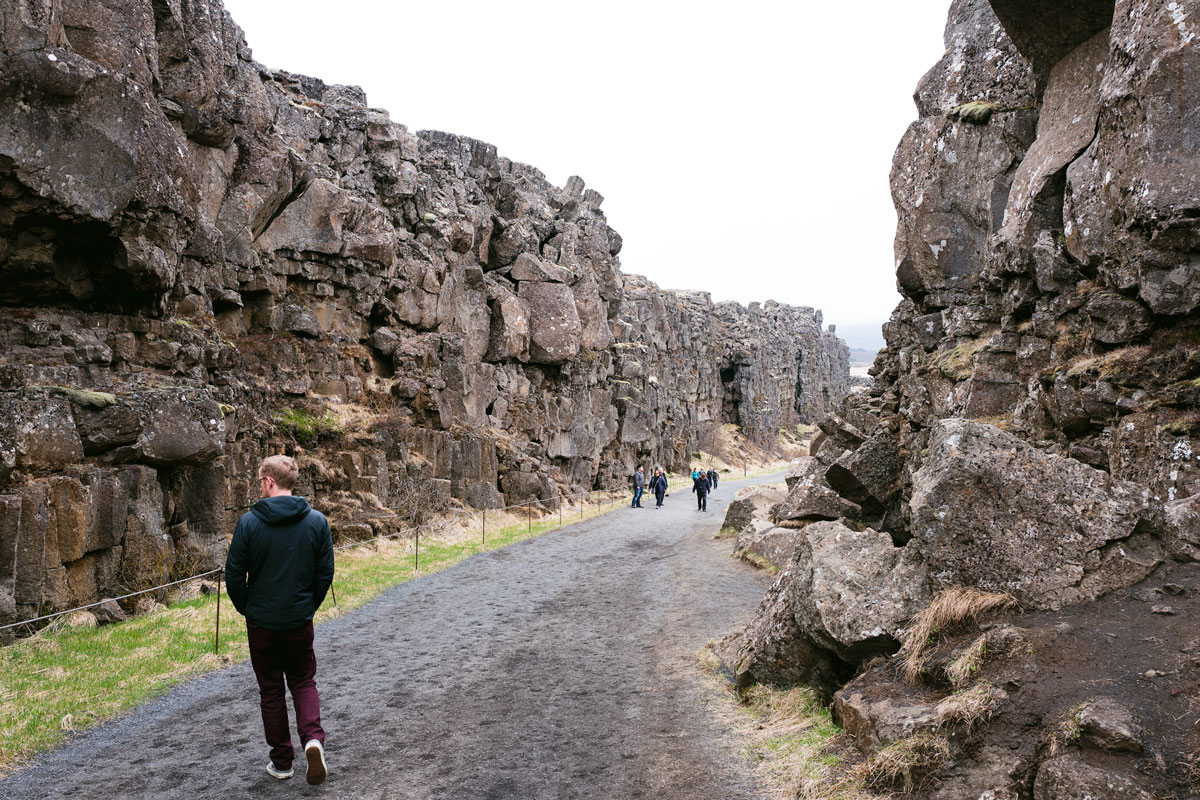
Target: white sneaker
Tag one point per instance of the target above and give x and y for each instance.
(282, 774)
(314, 751)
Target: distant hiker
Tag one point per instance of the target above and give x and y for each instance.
(639, 486)
(716, 477)
(658, 485)
(279, 567)
(712, 479)
(700, 487)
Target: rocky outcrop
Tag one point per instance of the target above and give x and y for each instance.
(1033, 428)
(205, 261)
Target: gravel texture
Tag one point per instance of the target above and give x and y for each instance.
(561, 667)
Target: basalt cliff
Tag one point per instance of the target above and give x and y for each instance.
(989, 562)
(203, 261)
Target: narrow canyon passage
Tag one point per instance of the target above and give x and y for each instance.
(561, 667)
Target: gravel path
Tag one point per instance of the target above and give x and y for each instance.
(560, 667)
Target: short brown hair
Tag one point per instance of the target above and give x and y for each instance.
(281, 469)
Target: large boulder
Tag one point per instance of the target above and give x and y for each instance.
(772, 649)
(772, 544)
(843, 597)
(810, 497)
(751, 503)
(37, 431)
(855, 590)
(990, 511)
(870, 473)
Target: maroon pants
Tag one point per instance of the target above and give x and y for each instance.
(274, 655)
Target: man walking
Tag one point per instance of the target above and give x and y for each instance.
(700, 487)
(279, 567)
(639, 486)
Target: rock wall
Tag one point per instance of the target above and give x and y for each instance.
(203, 261)
(1032, 437)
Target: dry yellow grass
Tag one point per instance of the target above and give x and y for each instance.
(950, 608)
(904, 764)
(970, 707)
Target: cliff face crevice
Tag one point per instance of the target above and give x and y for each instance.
(235, 261)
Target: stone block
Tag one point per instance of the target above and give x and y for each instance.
(73, 517)
(178, 431)
(990, 511)
(40, 430)
(554, 326)
(10, 522)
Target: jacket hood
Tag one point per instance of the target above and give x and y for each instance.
(282, 510)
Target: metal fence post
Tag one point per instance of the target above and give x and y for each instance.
(417, 553)
(217, 638)
(484, 527)
(529, 518)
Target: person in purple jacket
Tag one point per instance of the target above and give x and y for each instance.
(279, 567)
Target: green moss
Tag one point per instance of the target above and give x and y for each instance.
(308, 428)
(226, 409)
(977, 112)
(958, 362)
(88, 399)
(1186, 426)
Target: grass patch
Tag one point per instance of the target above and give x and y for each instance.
(786, 732)
(1186, 425)
(308, 428)
(950, 608)
(970, 707)
(966, 664)
(63, 679)
(1068, 730)
(905, 764)
(958, 362)
(755, 560)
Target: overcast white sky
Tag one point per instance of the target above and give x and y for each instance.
(742, 148)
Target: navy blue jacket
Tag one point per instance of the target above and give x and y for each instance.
(280, 563)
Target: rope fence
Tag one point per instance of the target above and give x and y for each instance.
(107, 600)
(529, 505)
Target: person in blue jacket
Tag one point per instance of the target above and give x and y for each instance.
(279, 567)
(658, 485)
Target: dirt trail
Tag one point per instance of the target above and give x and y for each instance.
(561, 667)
